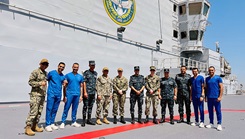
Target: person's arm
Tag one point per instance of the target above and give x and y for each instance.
(220, 91)
(33, 80)
(125, 88)
(175, 93)
(147, 87)
(131, 85)
(143, 87)
(85, 94)
(81, 91)
(98, 84)
(115, 84)
(64, 93)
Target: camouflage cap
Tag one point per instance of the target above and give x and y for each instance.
(44, 60)
(119, 69)
(91, 62)
(136, 67)
(166, 70)
(152, 68)
(105, 68)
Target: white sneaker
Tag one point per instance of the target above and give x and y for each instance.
(48, 128)
(75, 124)
(219, 127)
(62, 126)
(54, 127)
(209, 126)
(194, 124)
(201, 125)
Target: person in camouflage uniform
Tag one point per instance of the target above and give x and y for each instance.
(104, 95)
(120, 86)
(90, 76)
(168, 90)
(183, 82)
(137, 85)
(38, 83)
(152, 95)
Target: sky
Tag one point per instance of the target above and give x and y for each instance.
(227, 19)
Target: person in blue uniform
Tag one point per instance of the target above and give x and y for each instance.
(197, 97)
(72, 95)
(137, 85)
(90, 77)
(168, 94)
(55, 80)
(214, 92)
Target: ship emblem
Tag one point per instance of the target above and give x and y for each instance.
(122, 12)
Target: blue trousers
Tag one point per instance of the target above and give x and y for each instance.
(197, 104)
(213, 103)
(53, 102)
(74, 101)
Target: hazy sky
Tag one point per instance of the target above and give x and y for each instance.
(227, 19)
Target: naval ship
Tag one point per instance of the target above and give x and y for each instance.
(114, 33)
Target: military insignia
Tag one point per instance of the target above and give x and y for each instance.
(122, 12)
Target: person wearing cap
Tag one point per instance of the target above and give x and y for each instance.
(56, 80)
(152, 85)
(213, 96)
(183, 82)
(137, 85)
(89, 92)
(168, 90)
(197, 97)
(104, 95)
(72, 95)
(120, 86)
(38, 83)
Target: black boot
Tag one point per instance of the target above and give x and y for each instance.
(89, 121)
(155, 120)
(181, 119)
(171, 119)
(132, 119)
(188, 119)
(139, 119)
(83, 121)
(122, 120)
(115, 120)
(146, 119)
(163, 119)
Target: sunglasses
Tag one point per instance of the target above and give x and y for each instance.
(45, 64)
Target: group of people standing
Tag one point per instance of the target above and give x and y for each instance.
(89, 88)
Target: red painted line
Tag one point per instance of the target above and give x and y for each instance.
(232, 110)
(114, 130)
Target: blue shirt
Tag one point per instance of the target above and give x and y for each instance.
(196, 86)
(74, 84)
(212, 85)
(55, 81)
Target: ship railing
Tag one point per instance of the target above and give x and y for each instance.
(181, 61)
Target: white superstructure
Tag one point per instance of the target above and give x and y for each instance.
(81, 30)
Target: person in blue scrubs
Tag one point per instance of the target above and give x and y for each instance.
(214, 92)
(72, 95)
(55, 79)
(197, 97)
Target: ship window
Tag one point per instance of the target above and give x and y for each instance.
(201, 35)
(193, 34)
(182, 9)
(205, 9)
(183, 35)
(175, 8)
(175, 34)
(195, 8)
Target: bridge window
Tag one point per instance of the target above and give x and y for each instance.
(205, 9)
(182, 9)
(183, 35)
(175, 34)
(201, 35)
(195, 8)
(175, 8)
(193, 34)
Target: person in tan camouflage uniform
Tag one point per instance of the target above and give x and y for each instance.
(120, 86)
(104, 95)
(38, 83)
(152, 85)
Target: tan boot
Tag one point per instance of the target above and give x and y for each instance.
(106, 121)
(98, 122)
(28, 131)
(36, 128)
